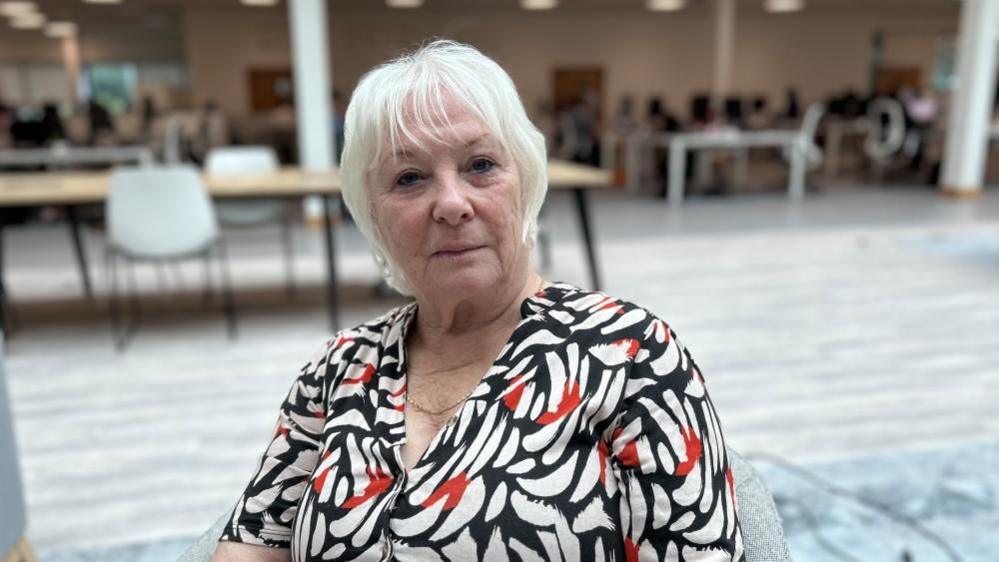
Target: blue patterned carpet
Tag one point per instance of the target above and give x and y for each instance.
(932, 506)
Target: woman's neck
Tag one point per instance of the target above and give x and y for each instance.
(459, 327)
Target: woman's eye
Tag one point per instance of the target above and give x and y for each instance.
(482, 165)
(408, 178)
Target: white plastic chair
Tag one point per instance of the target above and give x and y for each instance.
(807, 136)
(881, 145)
(247, 214)
(159, 214)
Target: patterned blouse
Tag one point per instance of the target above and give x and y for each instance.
(591, 437)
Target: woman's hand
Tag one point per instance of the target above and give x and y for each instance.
(238, 552)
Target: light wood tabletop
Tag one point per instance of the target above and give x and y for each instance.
(70, 189)
(82, 187)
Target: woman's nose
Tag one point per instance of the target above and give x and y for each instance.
(452, 204)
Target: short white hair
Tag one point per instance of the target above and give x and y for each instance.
(413, 90)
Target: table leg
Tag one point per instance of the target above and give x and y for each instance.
(677, 172)
(3, 289)
(333, 301)
(584, 223)
(796, 179)
(81, 254)
(834, 143)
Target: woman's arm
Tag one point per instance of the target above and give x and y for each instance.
(238, 552)
(678, 494)
(265, 513)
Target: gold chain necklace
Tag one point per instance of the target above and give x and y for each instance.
(425, 410)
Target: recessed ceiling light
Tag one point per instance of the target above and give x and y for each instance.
(28, 21)
(260, 3)
(665, 5)
(12, 9)
(404, 3)
(102, 1)
(60, 29)
(783, 5)
(538, 4)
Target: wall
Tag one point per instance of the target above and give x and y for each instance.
(643, 54)
(820, 50)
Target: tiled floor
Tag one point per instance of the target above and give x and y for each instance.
(855, 333)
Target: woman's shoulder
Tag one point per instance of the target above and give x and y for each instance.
(378, 332)
(598, 312)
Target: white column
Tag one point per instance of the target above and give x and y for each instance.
(311, 69)
(724, 46)
(971, 106)
(71, 62)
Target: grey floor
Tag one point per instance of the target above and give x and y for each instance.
(858, 325)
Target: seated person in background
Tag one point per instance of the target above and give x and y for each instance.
(499, 416)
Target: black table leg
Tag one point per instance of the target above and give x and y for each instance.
(81, 254)
(584, 223)
(3, 290)
(332, 300)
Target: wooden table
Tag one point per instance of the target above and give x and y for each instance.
(71, 189)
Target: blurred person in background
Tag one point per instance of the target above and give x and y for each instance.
(792, 106)
(499, 415)
(759, 117)
(921, 111)
(101, 127)
(50, 127)
(6, 120)
(624, 122)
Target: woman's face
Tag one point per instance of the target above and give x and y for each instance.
(450, 214)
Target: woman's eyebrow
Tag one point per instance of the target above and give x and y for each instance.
(476, 140)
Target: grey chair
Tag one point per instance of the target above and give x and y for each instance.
(13, 521)
(762, 533)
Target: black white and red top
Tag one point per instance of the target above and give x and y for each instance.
(591, 437)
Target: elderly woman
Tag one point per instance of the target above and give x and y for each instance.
(499, 416)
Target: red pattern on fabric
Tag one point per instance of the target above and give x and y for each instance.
(602, 458)
(454, 488)
(378, 482)
(630, 550)
(633, 346)
(692, 443)
(629, 453)
(363, 378)
(512, 397)
(570, 399)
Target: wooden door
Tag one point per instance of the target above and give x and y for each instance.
(891, 79)
(570, 84)
(270, 88)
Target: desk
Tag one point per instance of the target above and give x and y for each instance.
(733, 139)
(69, 189)
(75, 156)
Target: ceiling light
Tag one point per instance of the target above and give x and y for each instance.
(404, 3)
(538, 4)
(28, 21)
(665, 5)
(260, 3)
(102, 1)
(60, 29)
(783, 5)
(12, 9)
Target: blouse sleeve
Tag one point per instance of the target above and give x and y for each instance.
(265, 512)
(677, 490)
